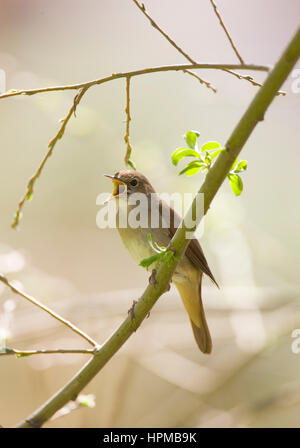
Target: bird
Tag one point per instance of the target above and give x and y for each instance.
(189, 270)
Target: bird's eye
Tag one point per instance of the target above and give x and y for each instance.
(133, 182)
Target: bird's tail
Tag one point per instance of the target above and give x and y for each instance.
(196, 313)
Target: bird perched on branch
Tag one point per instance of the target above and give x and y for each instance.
(190, 269)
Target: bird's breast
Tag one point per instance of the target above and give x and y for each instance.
(135, 239)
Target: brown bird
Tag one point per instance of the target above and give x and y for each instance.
(189, 271)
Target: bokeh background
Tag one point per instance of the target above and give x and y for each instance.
(252, 243)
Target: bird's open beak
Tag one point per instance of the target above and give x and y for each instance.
(117, 182)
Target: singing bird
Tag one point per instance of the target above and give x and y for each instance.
(190, 269)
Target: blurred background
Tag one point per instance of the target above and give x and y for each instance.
(252, 243)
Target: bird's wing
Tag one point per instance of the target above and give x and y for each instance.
(194, 251)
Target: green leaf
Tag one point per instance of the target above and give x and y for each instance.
(210, 146)
(191, 138)
(192, 168)
(242, 166)
(233, 165)
(236, 183)
(216, 153)
(192, 171)
(146, 262)
(181, 153)
(168, 257)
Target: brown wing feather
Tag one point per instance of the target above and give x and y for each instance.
(194, 251)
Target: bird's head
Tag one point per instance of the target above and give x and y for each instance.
(130, 181)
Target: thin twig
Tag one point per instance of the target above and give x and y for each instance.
(172, 42)
(145, 71)
(226, 32)
(30, 186)
(181, 51)
(23, 353)
(154, 24)
(237, 75)
(201, 80)
(48, 310)
(128, 119)
(250, 79)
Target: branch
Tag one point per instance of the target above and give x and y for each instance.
(201, 80)
(48, 310)
(214, 179)
(237, 75)
(180, 50)
(171, 41)
(226, 31)
(251, 80)
(189, 58)
(30, 186)
(128, 119)
(22, 353)
(144, 71)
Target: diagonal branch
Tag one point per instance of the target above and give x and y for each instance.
(213, 181)
(166, 36)
(201, 80)
(237, 75)
(30, 186)
(52, 313)
(226, 31)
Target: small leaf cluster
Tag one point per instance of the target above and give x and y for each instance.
(162, 255)
(235, 180)
(204, 158)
